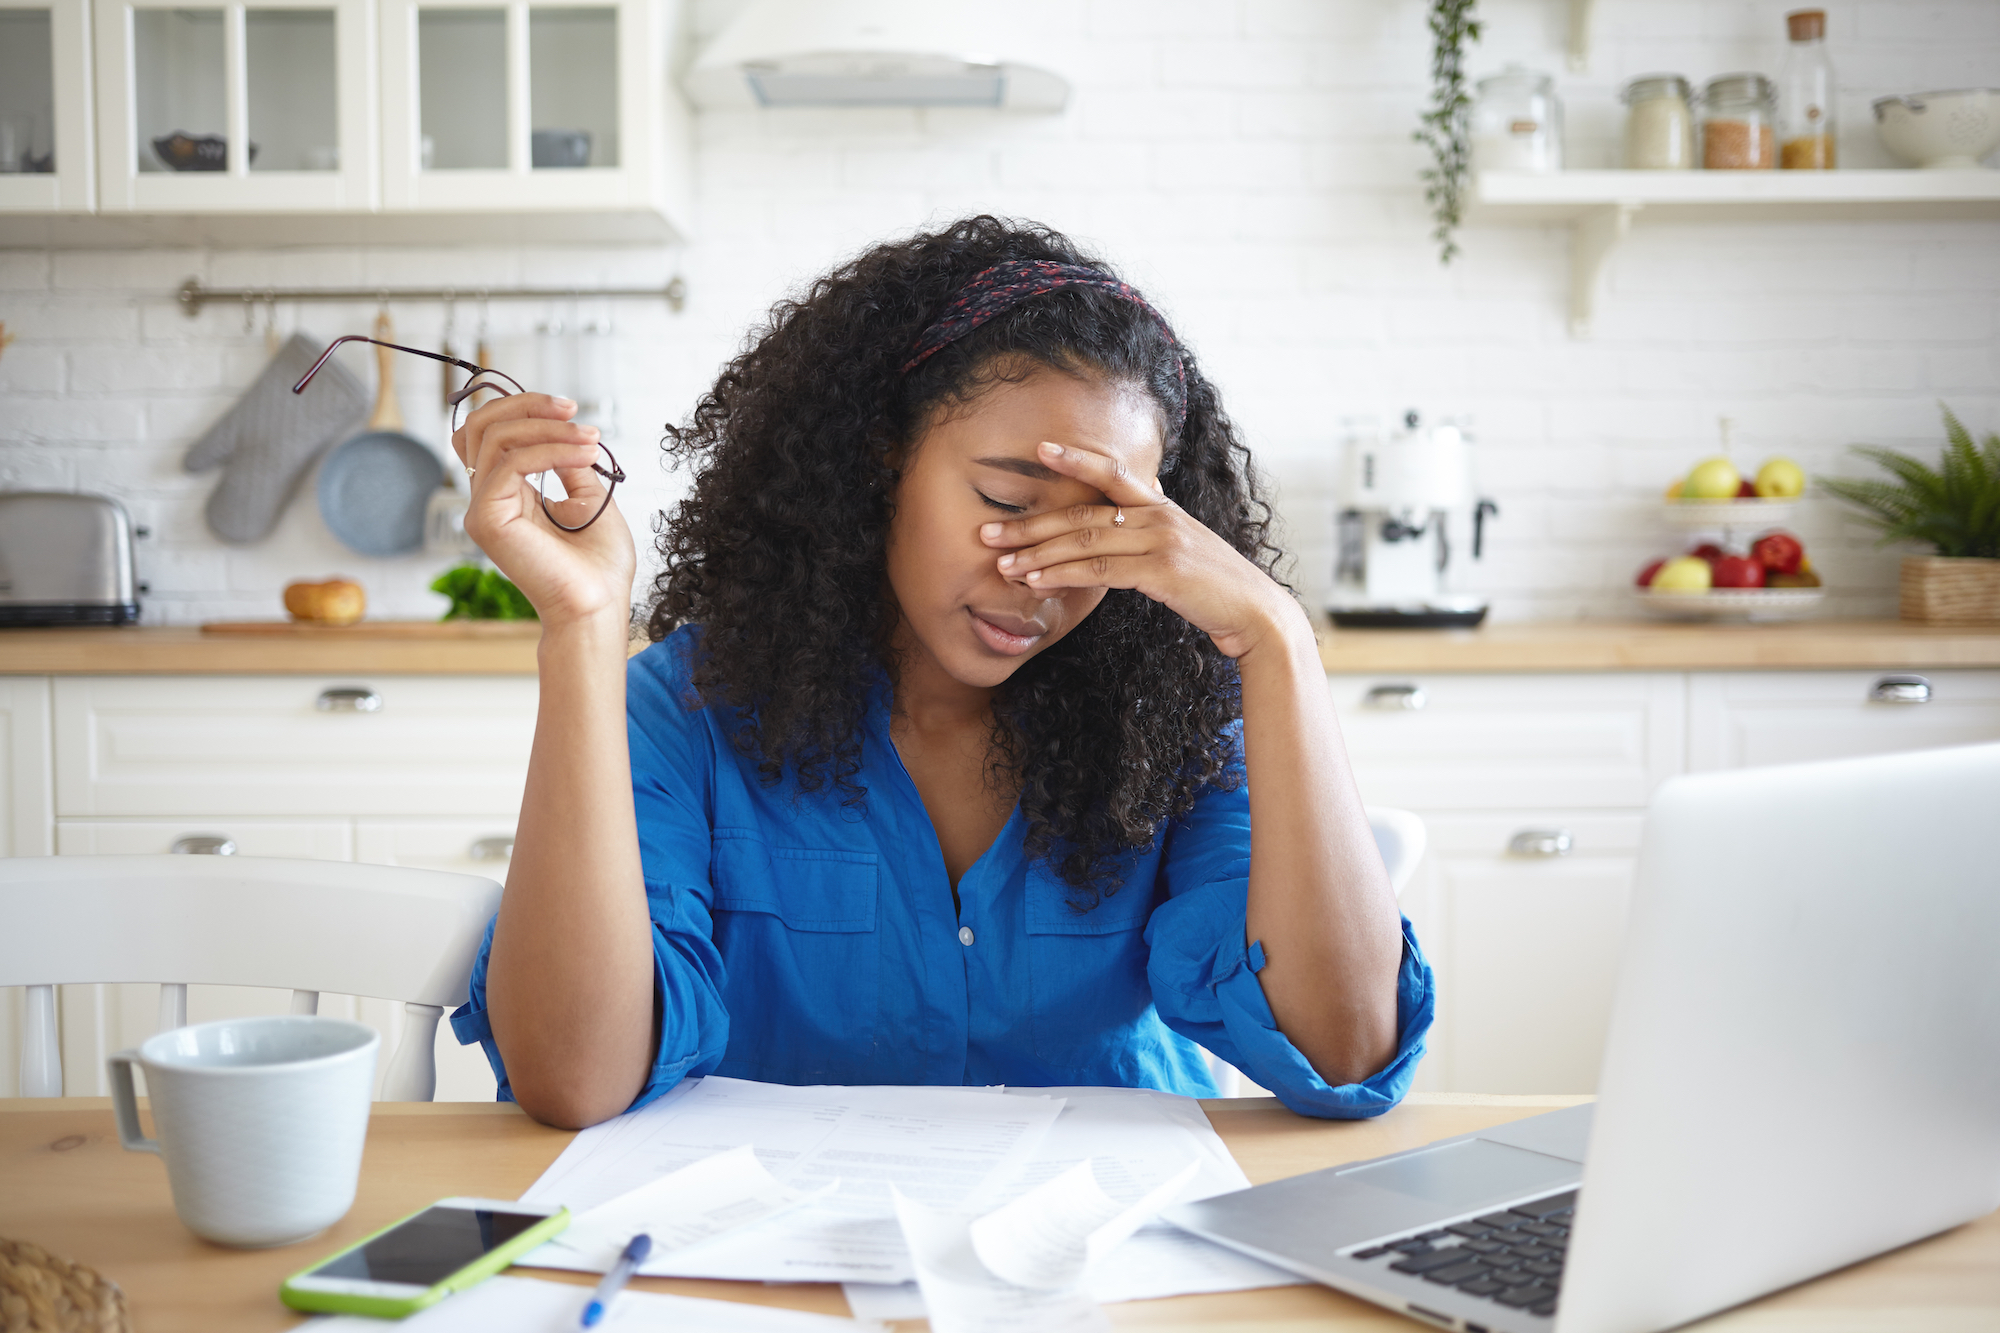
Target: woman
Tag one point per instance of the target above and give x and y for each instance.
(976, 743)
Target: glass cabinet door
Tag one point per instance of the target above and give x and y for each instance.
(263, 106)
(537, 104)
(45, 146)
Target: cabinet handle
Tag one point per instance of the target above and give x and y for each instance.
(203, 844)
(500, 847)
(1394, 698)
(1543, 842)
(1900, 690)
(349, 699)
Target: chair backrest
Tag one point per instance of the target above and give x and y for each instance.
(1400, 836)
(388, 932)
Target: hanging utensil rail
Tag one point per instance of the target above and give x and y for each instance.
(193, 296)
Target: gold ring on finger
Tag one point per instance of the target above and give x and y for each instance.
(1118, 518)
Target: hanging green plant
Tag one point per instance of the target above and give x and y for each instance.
(1446, 125)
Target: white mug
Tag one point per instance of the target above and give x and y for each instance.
(261, 1122)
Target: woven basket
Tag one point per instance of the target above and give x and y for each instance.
(40, 1293)
(1951, 590)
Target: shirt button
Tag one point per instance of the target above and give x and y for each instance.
(965, 934)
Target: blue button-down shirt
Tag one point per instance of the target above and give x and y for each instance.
(799, 939)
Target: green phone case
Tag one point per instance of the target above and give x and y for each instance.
(384, 1307)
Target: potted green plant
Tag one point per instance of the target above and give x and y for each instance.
(1954, 508)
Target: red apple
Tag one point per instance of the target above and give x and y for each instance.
(1747, 490)
(1646, 574)
(1738, 571)
(1709, 551)
(1779, 552)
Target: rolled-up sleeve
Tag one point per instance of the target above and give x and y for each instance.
(1204, 974)
(672, 779)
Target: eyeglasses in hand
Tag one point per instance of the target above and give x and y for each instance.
(612, 475)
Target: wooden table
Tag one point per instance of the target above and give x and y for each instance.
(66, 1185)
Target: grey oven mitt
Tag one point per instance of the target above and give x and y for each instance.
(265, 443)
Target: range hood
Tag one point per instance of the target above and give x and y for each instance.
(835, 53)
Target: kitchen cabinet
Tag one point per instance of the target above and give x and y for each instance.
(26, 797)
(389, 120)
(285, 89)
(1749, 719)
(47, 148)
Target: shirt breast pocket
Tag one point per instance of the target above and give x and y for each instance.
(796, 928)
(1088, 969)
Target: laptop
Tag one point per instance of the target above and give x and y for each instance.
(1802, 1070)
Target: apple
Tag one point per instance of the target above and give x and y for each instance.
(1746, 489)
(1780, 479)
(1685, 573)
(1712, 479)
(1779, 552)
(1805, 578)
(1738, 571)
(1708, 551)
(1646, 574)
(1674, 491)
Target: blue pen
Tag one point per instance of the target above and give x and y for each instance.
(614, 1281)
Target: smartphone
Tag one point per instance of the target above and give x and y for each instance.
(422, 1259)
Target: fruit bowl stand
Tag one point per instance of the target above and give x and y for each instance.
(1727, 515)
(1729, 603)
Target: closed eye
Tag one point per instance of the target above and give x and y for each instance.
(1003, 508)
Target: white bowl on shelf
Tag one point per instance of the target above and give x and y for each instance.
(1738, 513)
(1730, 603)
(1941, 131)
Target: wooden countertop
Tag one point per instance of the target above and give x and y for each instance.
(74, 1191)
(508, 649)
(1612, 645)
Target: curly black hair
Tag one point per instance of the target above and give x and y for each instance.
(778, 551)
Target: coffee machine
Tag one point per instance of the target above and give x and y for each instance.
(1395, 500)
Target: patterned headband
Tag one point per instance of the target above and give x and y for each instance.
(996, 290)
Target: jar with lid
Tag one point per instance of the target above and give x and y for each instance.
(1805, 101)
(1659, 123)
(1739, 114)
(1517, 122)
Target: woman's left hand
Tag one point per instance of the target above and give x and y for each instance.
(1159, 550)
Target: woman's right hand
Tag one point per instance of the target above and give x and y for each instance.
(568, 576)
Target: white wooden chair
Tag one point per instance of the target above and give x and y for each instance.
(388, 932)
(1400, 837)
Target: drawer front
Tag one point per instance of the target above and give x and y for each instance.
(1501, 742)
(1525, 939)
(463, 846)
(26, 805)
(312, 840)
(1750, 719)
(266, 745)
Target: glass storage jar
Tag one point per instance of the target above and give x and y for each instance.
(1659, 123)
(1739, 115)
(1806, 109)
(1517, 123)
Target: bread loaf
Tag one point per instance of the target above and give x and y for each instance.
(334, 602)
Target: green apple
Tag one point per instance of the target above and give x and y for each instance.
(1712, 479)
(1687, 573)
(1781, 479)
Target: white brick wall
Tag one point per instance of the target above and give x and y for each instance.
(1248, 163)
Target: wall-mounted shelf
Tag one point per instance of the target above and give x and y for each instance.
(1600, 206)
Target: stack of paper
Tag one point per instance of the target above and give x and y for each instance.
(523, 1305)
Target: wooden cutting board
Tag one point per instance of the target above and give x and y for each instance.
(380, 629)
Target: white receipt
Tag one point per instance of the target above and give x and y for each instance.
(1051, 1236)
(505, 1304)
(711, 1198)
(961, 1296)
(1135, 1139)
(944, 1146)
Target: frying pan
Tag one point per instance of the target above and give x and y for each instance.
(373, 489)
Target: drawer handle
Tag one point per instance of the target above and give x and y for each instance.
(1543, 842)
(500, 847)
(349, 699)
(1394, 698)
(1900, 690)
(203, 844)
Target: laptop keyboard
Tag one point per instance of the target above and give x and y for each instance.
(1513, 1257)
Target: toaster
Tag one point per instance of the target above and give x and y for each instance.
(65, 559)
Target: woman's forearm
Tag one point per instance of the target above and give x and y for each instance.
(570, 980)
(1320, 900)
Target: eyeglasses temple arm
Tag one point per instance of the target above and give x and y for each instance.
(398, 347)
